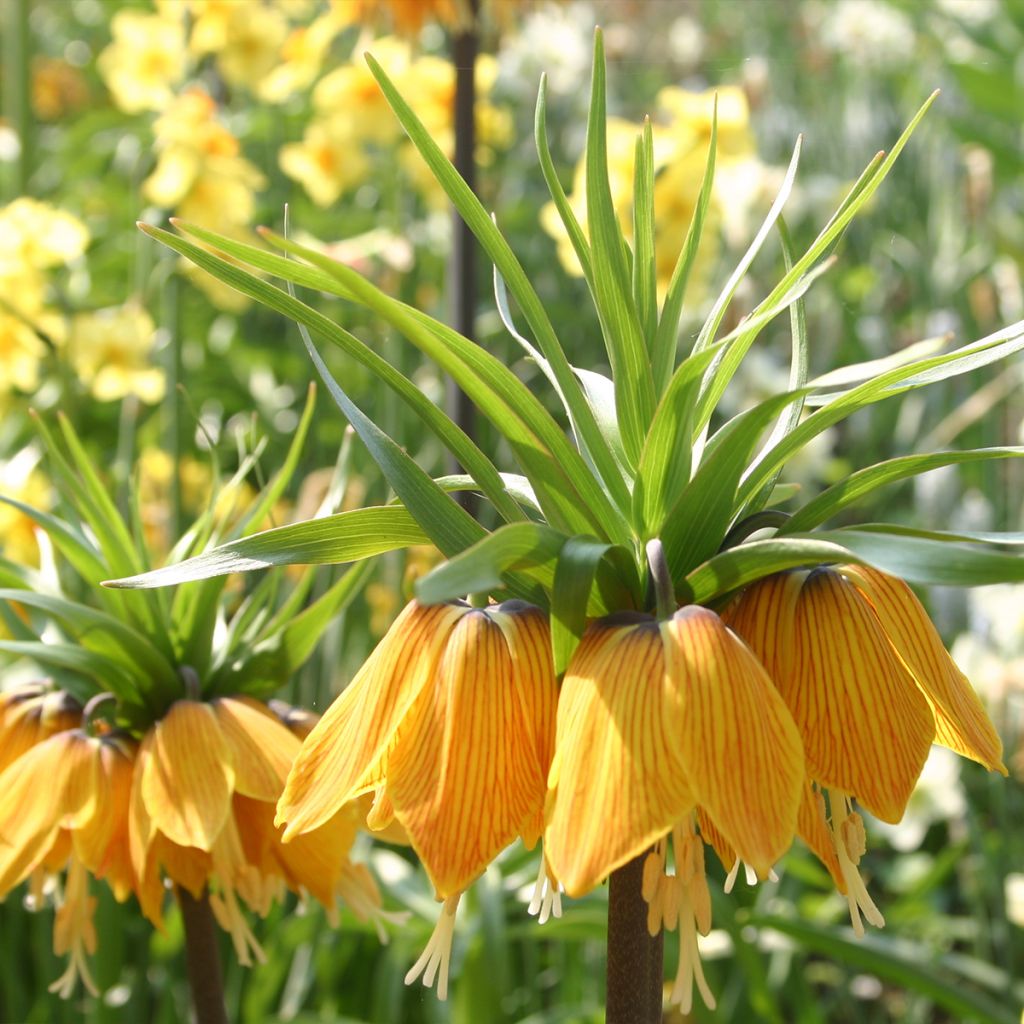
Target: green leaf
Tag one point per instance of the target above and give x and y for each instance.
(566, 488)
(995, 346)
(736, 567)
(620, 323)
(906, 965)
(517, 486)
(714, 320)
(453, 437)
(666, 339)
(547, 165)
(272, 492)
(698, 522)
(996, 537)
(864, 481)
(343, 537)
(916, 559)
(863, 190)
(482, 568)
(798, 364)
(645, 280)
(106, 674)
(499, 252)
(574, 577)
(278, 656)
(857, 373)
(666, 460)
(444, 521)
(928, 560)
(600, 392)
(97, 631)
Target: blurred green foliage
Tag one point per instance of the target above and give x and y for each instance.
(941, 250)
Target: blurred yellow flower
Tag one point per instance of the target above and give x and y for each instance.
(681, 134)
(202, 176)
(21, 352)
(201, 172)
(110, 351)
(36, 235)
(302, 56)
(246, 38)
(352, 118)
(146, 59)
(58, 88)
(324, 164)
(20, 480)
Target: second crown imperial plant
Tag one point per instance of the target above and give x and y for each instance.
(641, 659)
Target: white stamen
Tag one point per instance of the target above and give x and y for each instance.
(546, 901)
(847, 831)
(749, 874)
(435, 959)
(730, 879)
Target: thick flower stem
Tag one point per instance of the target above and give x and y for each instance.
(635, 959)
(202, 958)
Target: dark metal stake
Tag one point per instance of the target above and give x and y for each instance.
(462, 270)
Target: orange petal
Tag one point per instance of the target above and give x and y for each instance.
(184, 865)
(344, 754)
(813, 830)
(737, 740)
(714, 838)
(315, 860)
(31, 805)
(262, 749)
(528, 637)
(116, 864)
(616, 783)
(866, 726)
(189, 775)
(763, 616)
(960, 719)
(463, 774)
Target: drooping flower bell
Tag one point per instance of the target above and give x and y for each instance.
(31, 713)
(870, 686)
(450, 723)
(663, 726)
(206, 780)
(64, 805)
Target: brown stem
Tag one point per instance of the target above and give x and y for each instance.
(635, 960)
(202, 958)
(462, 271)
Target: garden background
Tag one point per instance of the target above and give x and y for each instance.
(222, 113)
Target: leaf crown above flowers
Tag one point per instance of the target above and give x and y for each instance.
(639, 460)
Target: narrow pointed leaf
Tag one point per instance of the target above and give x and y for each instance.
(620, 322)
(645, 283)
(562, 481)
(576, 234)
(499, 252)
(865, 481)
(455, 439)
(663, 356)
(343, 537)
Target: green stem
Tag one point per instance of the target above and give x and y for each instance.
(664, 591)
(202, 958)
(635, 982)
